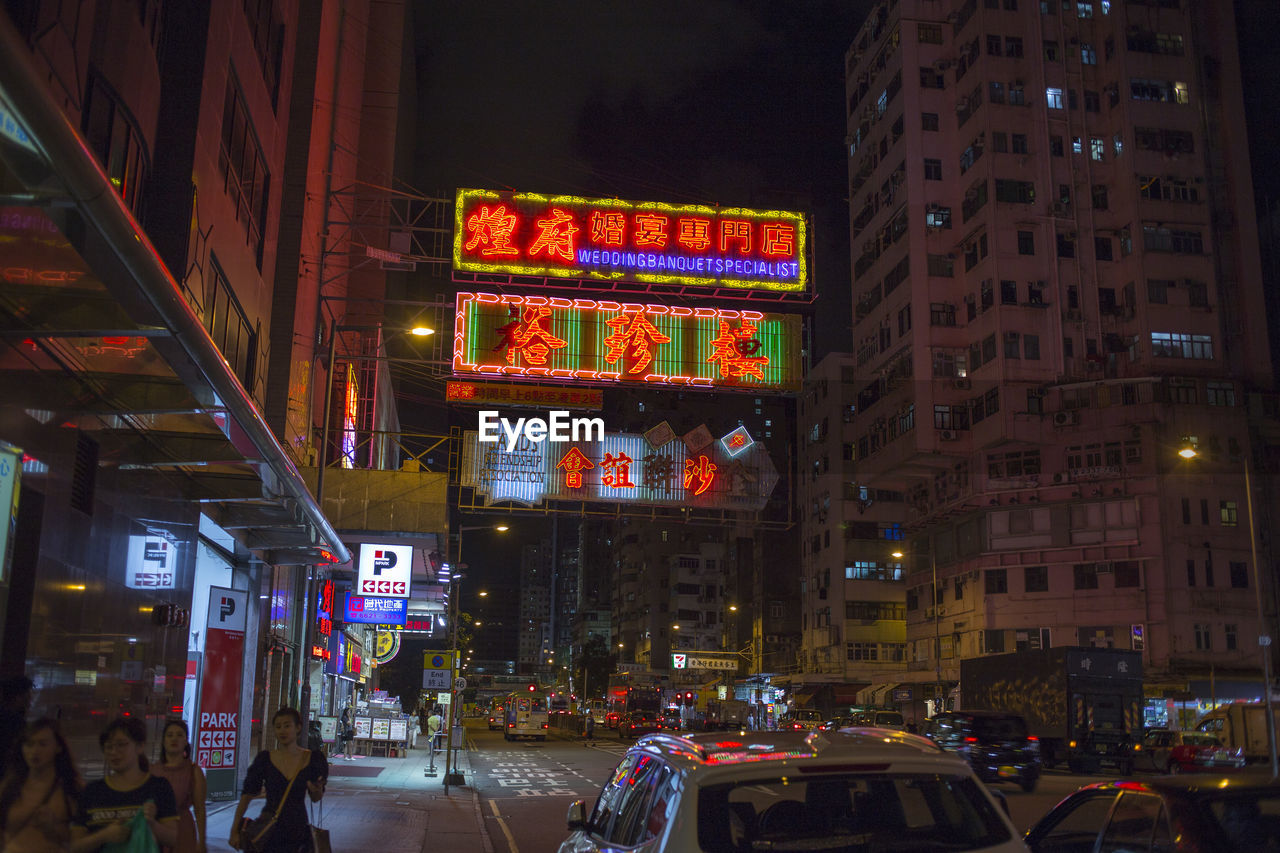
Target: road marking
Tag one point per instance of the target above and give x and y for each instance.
(511, 841)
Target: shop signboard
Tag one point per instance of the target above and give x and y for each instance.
(10, 476)
(384, 570)
(374, 610)
(364, 727)
(151, 562)
(604, 241)
(497, 393)
(605, 341)
(618, 468)
(381, 728)
(399, 730)
(217, 731)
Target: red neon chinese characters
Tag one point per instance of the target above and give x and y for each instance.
(617, 471)
(778, 240)
(735, 350)
(633, 337)
(608, 228)
(737, 440)
(491, 230)
(694, 233)
(651, 231)
(732, 230)
(528, 337)
(574, 463)
(699, 475)
(556, 238)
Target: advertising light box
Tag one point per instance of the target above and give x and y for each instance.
(384, 570)
(373, 610)
(594, 340)
(610, 240)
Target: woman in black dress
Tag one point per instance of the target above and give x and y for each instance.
(274, 770)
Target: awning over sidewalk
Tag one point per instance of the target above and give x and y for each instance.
(99, 338)
(876, 694)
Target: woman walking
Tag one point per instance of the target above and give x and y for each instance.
(288, 773)
(108, 806)
(39, 792)
(188, 785)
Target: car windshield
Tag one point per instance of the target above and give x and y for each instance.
(1250, 821)
(881, 812)
(999, 728)
(889, 718)
(1199, 739)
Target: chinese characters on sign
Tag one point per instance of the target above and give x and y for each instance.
(523, 395)
(605, 341)
(615, 240)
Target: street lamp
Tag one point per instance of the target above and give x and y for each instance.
(1189, 452)
(937, 631)
(454, 580)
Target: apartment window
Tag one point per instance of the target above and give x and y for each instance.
(230, 329)
(1097, 148)
(268, 41)
(937, 217)
(1054, 98)
(1158, 290)
(1056, 148)
(995, 581)
(1031, 347)
(1012, 345)
(904, 321)
(1000, 142)
(1088, 55)
(1227, 512)
(995, 93)
(1035, 292)
(1232, 632)
(1127, 574)
(928, 121)
(1015, 192)
(993, 642)
(1167, 91)
(993, 45)
(1077, 145)
(1051, 51)
(1066, 246)
(932, 170)
(1197, 294)
(1017, 94)
(930, 79)
(1191, 572)
(942, 266)
(1204, 640)
(112, 133)
(1020, 143)
(1026, 243)
(1084, 10)
(1035, 578)
(1220, 393)
(1117, 144)
(1008, 292)
(1179, 345)
(1013, 47)
(1239, 574)
(1102, 248)
(1092, 103)
(929, 33)
(1204, 511)
(1099, 196)
(942, 314)
(243, 168)
(1085, 575)
(862, 651)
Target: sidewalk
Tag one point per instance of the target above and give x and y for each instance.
(390, 800)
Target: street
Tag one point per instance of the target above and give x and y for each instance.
(526, 786)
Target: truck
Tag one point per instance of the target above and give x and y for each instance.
(728, 714)
(1242, 725)
(1084, 705)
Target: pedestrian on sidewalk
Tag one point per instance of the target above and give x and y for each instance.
(38, 796)
(589, 727)
(434, 724)
(189, 786)
(289, 773)
(106, 808)
(346, 734)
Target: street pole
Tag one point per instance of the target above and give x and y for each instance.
(937, 635)
(1264, 635)
(455, 590)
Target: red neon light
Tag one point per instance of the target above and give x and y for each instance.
(694, 233)
(528, 337)
(634, 336)
(556, 239)
(491, 232)
(574, 463)
(735, 231)
(617, 471)
(608, 228)
(735, 350)
(778, 240)
(651, 231)
(699, 475)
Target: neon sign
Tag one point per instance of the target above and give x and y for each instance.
(620, 468)
(614, 240)
(592, 340)
(523, 395)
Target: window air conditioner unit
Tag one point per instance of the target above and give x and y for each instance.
(1066, 418)
(1104, 567)
(948, 435)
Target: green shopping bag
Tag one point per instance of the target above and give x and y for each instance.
(140, 838)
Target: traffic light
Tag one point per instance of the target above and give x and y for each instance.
(533, 688)
(688, 699)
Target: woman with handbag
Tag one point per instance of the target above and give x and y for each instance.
(39, 792)
(285, 772)
(108, 807)
(188, 783)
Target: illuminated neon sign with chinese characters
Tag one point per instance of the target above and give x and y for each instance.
(620, 468)
(593, 340)
(614, 240)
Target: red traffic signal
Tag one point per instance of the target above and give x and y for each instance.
(533, 688)
(688, 699)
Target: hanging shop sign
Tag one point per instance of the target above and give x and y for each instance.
(324, 609)
(592, 340)
(420, 622)
(618, 468)
(495, 393)
(10, 477)
(151, 563)
(612, 240)
(218, 728)
(387, 647)
(384, 570)
(374, 610)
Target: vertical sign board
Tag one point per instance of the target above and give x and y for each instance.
(10, 473)
(217, 734)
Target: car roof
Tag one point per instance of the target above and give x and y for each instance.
(1247, 780)
(865, 749)
(980, 714)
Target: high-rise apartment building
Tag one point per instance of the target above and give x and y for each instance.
(1056, 288)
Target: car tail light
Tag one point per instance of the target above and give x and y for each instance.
(511, 725)
(544, 725)
(1033, 738)
(971, 740)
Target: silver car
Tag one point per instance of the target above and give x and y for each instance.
(869, 789)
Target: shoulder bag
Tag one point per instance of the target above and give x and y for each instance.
(254, 834)
(319, 835)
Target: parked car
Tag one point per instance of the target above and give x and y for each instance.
(789, 790)
(996, 745)
(497, 718)
(880, 719)
(670, 722)
(801, 719)
(1169, 751)
(612, 718)
(637, 723)
(1239, 813)
(837, 723)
